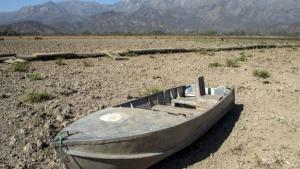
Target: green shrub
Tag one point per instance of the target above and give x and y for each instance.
(36, 96)
(131, 54)
(20, 67)
(215, 64)
(60, 62)
(152, 90)
(36, 76)
(261, 74)
(232, 62)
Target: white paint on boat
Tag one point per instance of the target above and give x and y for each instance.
(112, 117)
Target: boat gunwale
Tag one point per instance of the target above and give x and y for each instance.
(56, 143)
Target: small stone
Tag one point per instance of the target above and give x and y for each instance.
(48, 126)
(23, 131)
(28, 149)
(243, 128)
(12, 61)
(60, 118)
(66, 111)
(156, 77)
(12, 141)
(129, 97)
(65, 124)
(40, 144)
(6, 95)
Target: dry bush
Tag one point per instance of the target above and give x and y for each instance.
(38, 38)
(20, 67)
(36, 96)
(60, 62)
(36, 76)
(215, 64)
(152, 90)
(261, 74)
(232, 62)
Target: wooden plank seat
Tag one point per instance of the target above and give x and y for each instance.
(175, 110)
(189, 101)
(192, 101)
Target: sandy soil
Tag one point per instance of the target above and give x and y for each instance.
(262, 131)
(27, 45)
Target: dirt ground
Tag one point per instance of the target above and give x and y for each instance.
(262, 130)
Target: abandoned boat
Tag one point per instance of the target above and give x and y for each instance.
(142, 132)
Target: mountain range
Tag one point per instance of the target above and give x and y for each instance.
(145, 16)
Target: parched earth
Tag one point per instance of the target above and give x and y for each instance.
(262, 130)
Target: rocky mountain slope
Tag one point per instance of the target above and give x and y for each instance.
(28, 27)
(163, 15)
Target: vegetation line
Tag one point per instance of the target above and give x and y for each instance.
(132, 53)
(178, 50)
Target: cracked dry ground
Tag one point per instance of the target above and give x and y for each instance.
(262, 131)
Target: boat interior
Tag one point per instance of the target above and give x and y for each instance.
(183, 100)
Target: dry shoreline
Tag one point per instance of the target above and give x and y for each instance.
(262, 131)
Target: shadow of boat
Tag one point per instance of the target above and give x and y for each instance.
(206, 145)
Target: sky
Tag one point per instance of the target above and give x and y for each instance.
(13, 5)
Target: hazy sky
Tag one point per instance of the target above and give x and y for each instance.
(12, 5)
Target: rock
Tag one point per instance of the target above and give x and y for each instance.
(65, 124)
(12, 141)
(48, 126)
(21, 166)
(12, 61)
(129, 97)
(266, 82)
(78, 85)
(66, 111)
(5, 96)
(156, 77)
(60, 118)
(40, 144)
(28, 149)
(23, 131)
(96, 97)
(68, 92)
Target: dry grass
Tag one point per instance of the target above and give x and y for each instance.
(36, 76)
(60, 62)
(20, 67)
(131, 54)
(232, 62)
(242, 58)
(215, 64)
(264, 74)
(152, 90)
(36, 96)
(38, 38)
